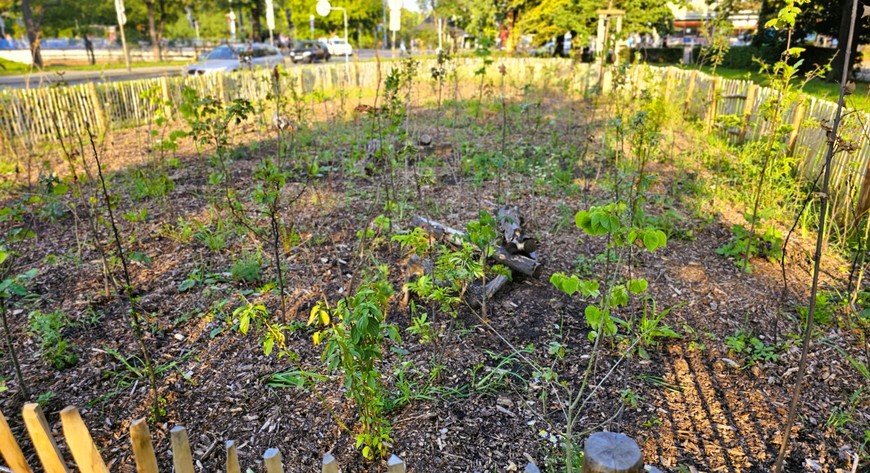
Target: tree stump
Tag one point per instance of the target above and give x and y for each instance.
(610, 452)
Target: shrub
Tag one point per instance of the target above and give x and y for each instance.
(246, 269)
(49, 328)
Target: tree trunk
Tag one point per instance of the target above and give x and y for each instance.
(32, 32)
(256, 11)
(152, 30)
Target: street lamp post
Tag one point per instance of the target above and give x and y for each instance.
(323, 9)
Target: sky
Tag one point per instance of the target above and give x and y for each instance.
(412, 5)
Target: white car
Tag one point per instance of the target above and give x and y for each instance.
(337, 46)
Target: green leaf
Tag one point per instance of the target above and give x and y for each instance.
(589, 288)
(140, 257)
(618, 296)
(244, 322)
(567, 284)
(3, 255)
(186, 285)
(654, 239)
(638, 286)
(268, 345)
(60, 189)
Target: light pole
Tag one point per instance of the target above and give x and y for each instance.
(323, 8)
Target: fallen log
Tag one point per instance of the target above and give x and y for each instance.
(519, 263)
(509, 225)
(476, 293)
(529, 266)
(439, 231)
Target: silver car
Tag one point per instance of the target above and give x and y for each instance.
(227, 58)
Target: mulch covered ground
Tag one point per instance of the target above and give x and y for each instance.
(696, 406)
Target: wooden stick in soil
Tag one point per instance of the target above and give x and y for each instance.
(9, 449)
(124, 292)
(232, 457)
(80, 442)
(43, 441)
(182, 460)
(143, 449)
(817, 257)
(88, 215)
(13, 354)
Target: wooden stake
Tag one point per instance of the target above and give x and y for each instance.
(143, 450)
(395, 465)
(164, 85)
(748, 108)
(669, 85)
(182, 460)
(690, 91)
(232, 457)
(712, 105)
(99, 113)
(80, 442)
(12, 454)
(797, 120)
(43, 441)
(330, 464)
(272, 458)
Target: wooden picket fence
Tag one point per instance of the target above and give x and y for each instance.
(33, 116)
(88, 459)
(709, 97)
(30, 117)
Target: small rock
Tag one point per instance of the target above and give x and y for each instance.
(731, 363)
(425, 139)
(179, 337)
(813, 465)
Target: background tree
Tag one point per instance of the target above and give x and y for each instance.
(825, 17)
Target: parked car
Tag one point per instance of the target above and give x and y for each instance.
(309, 51)
(229, 57)
(337, 46)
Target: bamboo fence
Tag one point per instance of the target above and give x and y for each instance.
(709, 98)
(30, 117)
(87, 459)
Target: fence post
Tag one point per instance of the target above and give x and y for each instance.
(669, 85)
(690, 91)
(80, 442)
(182, 460)
(748, 107)
(232, 457)
(143, 450)
(272, 457)
(10, 450)
(221, 83)
(712, 104)
(609, 452)
(43, 441)
(102, 120)
(330, 464)
(167, 107)
(796, 121)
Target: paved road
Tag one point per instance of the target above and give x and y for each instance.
(40, 79)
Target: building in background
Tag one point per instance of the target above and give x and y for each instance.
(691, 19)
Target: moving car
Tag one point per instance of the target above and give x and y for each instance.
(229, 57)
(337, 46)
(309, 51)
